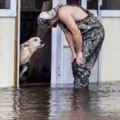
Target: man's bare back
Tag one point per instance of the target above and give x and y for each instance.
(76, 12)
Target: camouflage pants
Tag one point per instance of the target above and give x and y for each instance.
(92, 39)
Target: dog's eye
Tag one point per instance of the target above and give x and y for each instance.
(35, 39)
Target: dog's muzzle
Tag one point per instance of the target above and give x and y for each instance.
(41, 44)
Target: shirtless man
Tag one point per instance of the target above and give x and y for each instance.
(84, 34)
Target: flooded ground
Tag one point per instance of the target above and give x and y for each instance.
(100, 102)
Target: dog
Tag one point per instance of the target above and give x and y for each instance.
(27, 49)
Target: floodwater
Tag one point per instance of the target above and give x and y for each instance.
(99, 102)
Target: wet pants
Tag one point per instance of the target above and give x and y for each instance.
(92, 39)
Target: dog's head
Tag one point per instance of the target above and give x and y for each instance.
(33, 44)
(28, 48)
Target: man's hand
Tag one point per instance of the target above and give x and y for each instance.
(53, 23)
(80, 59)
(73, 56)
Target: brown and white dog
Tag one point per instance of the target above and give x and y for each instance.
(26, 51)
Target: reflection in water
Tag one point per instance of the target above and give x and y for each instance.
(66, 104)
(8, 104)
(100, 102)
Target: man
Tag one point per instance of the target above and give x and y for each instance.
(84, 34)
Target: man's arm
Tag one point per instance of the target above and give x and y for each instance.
(68, 20)
(69, 39)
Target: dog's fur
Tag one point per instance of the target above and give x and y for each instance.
(26, 51)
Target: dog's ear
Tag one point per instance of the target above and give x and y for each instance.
(26, 44)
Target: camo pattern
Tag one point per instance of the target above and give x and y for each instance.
(92, 39)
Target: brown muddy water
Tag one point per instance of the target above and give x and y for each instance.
(99, 102)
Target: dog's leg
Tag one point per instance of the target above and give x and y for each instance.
(23, 71)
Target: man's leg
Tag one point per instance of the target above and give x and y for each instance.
(92, 43)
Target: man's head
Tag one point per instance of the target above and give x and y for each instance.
(45, 17)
